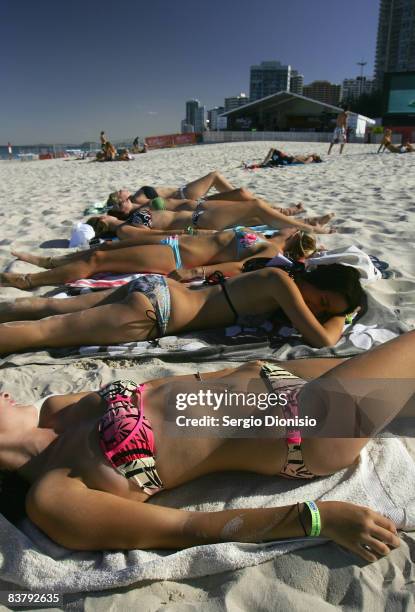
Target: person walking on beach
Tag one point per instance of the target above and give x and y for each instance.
(10, 150)
(340, 131)
(103, 138)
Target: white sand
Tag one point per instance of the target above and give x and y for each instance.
(373, 198)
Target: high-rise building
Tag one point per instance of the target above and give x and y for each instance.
(268, 78)
(323, 91)
(296, 82)
(186, 127)
(395, 47)
(200, 119)
(353, 88)
(192, 107)
(213, 115)
(235, 101)
(195, 117)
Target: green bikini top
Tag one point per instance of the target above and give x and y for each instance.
(158, 203)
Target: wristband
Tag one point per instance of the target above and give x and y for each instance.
(189, 230)
(315, 519)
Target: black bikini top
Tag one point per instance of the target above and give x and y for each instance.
(149, 192)
(217, 278)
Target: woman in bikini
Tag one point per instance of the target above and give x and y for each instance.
(124, 220)
(275, 158)
(108, 452)
(187, 196)
(183, 257)
(153, 306)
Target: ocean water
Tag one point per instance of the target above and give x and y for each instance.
(37, 149)
(56, 148)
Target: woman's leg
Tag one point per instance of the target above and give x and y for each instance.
(244, 195)
(34, 308)
(144, 238)
(217, 216)
(158, 259)
(359, 397)
(198, 188)
(123, 321)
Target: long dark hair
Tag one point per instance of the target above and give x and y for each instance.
(344, 280)
(13, 491)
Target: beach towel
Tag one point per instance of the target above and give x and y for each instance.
(384, 480)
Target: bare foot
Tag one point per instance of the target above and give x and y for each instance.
(6, 400)
(324, 229)
(293, 210)
(21, 281)
(37, 260)
(322, 220)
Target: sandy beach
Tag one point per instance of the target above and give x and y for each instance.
(372, 197)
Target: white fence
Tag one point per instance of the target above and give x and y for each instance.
(228, 136)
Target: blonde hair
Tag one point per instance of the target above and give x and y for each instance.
(304, 246)
(113, 199)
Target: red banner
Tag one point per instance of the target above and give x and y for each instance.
(171, 140)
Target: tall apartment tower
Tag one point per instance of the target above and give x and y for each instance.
(395, 47)
(268, 78)
(200, 119)
(235, 102)
(353, 88)
(323, 91)
(296, 82)
(192, 107)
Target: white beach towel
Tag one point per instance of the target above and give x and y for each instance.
(383, 480)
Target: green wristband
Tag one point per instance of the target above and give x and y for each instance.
(315, 518)
(189, 230)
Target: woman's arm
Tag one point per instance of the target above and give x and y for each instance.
(95, 520)
(231, 268)
(289, 298)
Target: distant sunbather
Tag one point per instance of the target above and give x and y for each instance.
(276, 158)
(386, 144)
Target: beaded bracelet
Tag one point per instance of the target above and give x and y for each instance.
(315, 518)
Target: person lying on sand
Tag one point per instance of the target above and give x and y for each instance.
(106, 453)
(153, 306)
(108, 153)
(178, 196)
(186, 197)
(276, 158)
(386, 145)
(210, 214)
(184, 257)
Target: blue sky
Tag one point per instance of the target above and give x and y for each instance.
(69, 69)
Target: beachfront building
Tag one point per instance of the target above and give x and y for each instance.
(296, 82)
(354, 88)
(186, 128)
(213, 115)
(283, 111)
(235, 101)
(195, 117)
(200, 119)
(323, 91)
(395, 47)
(268, 78)
(191, 111)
